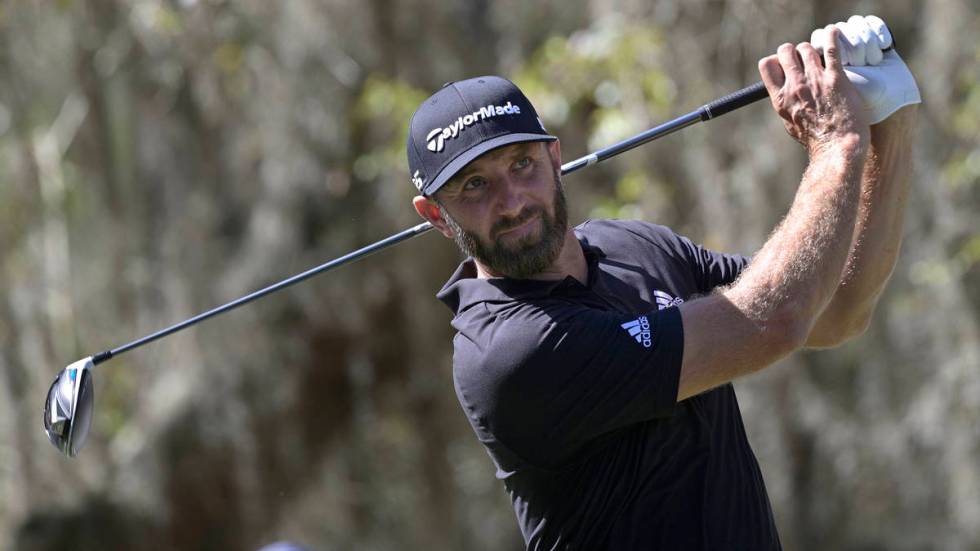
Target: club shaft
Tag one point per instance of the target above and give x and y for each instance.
(706, 112)
(340, 261)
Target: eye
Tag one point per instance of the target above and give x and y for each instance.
(476, 182)
(523, 163)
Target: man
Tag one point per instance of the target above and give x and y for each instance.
(595, 363)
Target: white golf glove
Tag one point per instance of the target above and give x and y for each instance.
(884, 82)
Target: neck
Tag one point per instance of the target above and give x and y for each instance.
(570, 262)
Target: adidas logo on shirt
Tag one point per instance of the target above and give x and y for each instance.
(640, 330)
(666, 301)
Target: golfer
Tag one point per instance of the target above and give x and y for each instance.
(595, 363)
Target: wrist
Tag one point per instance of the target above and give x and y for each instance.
(847, 147)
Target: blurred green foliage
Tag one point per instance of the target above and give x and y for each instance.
(161, 157)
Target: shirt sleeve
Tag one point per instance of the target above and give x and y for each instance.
(551, 379)
(711, 269)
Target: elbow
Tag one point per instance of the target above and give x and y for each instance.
(786, 333)
(855, 326)
(794, 335)
(858, 325)
(831, 333)
(775, 329)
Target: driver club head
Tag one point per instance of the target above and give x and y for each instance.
(68, 409)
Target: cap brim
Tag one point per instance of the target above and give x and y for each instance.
(472, 153)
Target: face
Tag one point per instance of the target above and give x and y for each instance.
(507, 209)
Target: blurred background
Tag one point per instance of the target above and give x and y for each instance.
(160, 157)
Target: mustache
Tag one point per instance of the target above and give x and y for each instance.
(512, 222)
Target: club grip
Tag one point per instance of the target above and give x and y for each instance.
(733, 101)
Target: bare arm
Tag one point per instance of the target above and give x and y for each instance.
(771, 309)
(877, 235)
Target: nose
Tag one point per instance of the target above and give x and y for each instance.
(510, 198)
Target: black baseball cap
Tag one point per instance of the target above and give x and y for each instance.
(464, 120)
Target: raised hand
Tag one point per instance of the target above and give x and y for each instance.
(815, 100)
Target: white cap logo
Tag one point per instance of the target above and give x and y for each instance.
(435, 140)
(418, 180)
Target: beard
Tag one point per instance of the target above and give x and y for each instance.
(528, 256)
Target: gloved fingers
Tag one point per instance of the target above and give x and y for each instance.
(863, 40)
(852, 44)
(880, 30)
(862, 29)
(872, 52)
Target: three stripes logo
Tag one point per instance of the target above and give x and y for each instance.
(639, 329)
(666, 301)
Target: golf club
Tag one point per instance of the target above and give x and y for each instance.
(71, 398)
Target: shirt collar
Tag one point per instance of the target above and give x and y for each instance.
(465, 289)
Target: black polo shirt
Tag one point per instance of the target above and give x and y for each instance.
(572, 389)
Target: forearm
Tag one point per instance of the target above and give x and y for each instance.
(769, 311)
(878, 232)
(798, 269)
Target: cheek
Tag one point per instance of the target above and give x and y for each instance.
(544, 187)
(473, 217)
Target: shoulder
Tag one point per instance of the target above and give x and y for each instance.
(492, 342)
(530, 345)
(626, 229)
(501, 356)
(635, 239)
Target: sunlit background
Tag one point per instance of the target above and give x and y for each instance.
(158, 158)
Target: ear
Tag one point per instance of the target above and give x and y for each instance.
(429, 210)
(554, 148)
